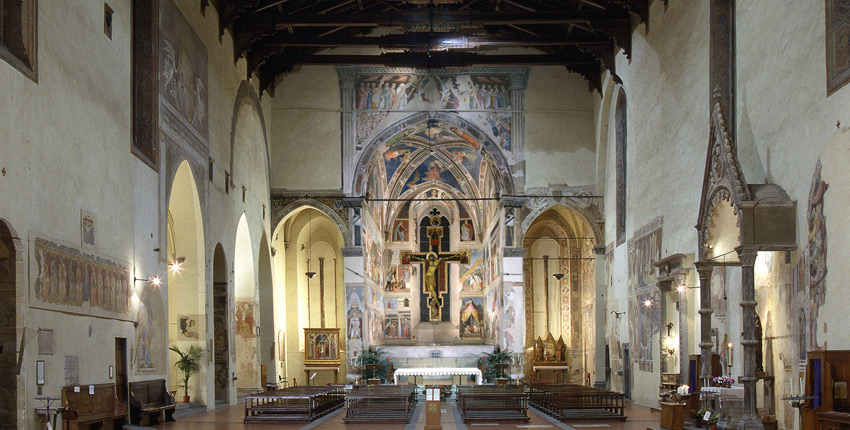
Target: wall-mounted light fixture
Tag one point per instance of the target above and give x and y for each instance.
(153, 280)
(176, 264)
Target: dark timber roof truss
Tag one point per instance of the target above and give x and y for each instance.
(274, 36)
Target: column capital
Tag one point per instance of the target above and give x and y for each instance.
(599, 250)
(704, 268)
(747, 255)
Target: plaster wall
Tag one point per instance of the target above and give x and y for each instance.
(305, 114)
(667, 131)
(559, 140)
(66, 148)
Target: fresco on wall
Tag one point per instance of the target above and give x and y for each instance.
(815, 254)
(718, 290)
(471, 277)
(492, 312)
(512, 339)
(432, 169)
(354, 321)
(149, 350)
(66, 278)
(493, 256)
(471, 317)
(645, 321)
(376, 315)
(188, 326)
(372, 256)
(183, 69)
(837, 44)
(428, 91)
(395, 156)
(245, 320)
(397, 326)
(499, 129)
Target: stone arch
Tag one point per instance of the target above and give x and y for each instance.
(186, 286)
(246, 95)
(319, 206)
(579, 206)
(501, 163)
(12, 294)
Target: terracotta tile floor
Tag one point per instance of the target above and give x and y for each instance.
(230, 418)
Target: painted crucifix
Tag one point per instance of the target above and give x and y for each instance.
(434, 267)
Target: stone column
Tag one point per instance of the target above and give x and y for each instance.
(704, 268)
(601, 309)
(747, 256)
(347, 82)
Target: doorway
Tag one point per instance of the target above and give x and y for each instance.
(121, 369)
(8, 330)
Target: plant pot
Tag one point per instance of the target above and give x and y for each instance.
(185, 399)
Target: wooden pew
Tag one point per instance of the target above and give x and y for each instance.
(492, 403)
(300, 404)
(577, 402)
(100, 410)
(382, 403)
(150, 402)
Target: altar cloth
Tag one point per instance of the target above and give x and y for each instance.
(438, 371)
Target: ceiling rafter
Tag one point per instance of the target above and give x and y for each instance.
(583, 35)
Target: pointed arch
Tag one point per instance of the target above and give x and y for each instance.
(296, 205)
(370, 149)
(579, 206)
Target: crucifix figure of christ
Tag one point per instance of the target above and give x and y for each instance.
(434, 270)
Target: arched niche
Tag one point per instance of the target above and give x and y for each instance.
(246, 315)
(307, 234)
(248, 119)
(721, 229)
(186, 278)
(560, 281)
(265, 287)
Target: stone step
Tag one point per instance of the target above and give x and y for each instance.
(187, 409)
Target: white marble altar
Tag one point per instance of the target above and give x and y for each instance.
(439, 371)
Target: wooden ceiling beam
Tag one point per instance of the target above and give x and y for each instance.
(396, 19)
(422, 41)
(430, 60)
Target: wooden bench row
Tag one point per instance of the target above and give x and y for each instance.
(97, 405)
(380, 403)
(577, 402)
(494, 403)
(300, 404)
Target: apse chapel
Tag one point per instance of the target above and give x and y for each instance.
(628, 197)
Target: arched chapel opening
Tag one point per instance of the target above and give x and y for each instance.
(186, 284)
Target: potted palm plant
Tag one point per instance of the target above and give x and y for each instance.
(188, 363)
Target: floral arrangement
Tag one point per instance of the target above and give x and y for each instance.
(445, 390)
(723, 380)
